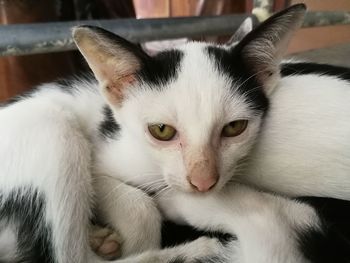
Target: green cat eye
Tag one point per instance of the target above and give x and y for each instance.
(162, 132)
(234, 128)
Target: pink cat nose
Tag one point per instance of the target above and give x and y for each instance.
(203, 184)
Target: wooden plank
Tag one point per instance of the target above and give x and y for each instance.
(152, 8)
(320, 37)
(323, 5)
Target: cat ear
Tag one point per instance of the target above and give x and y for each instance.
(113, 60)
(261, 51)
(245, 28)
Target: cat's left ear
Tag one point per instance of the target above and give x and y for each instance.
(113, 60)
(261, 51)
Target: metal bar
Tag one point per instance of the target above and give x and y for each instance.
(314, 19)
(21, 39)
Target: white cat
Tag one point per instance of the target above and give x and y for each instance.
(178, 124)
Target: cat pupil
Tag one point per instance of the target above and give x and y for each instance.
(161, 127)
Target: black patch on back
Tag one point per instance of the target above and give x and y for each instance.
(332, 243)
(26, 209)
(304, 68)
(108, 127)
(174, 234)
(230, 63)
(162, 68)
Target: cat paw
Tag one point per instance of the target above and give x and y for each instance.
(105, 242)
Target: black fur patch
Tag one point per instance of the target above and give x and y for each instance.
(304, 68)
(161, 68)
(108, 127)
(230, 63)
(174, 234)
(25, 209)
(332, 243)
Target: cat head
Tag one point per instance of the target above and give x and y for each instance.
(195, 110)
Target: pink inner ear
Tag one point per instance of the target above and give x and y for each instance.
(116, 87)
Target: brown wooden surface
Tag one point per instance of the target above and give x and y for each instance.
(172, 8)
(175, 8)
(19, 74)
(321, 37)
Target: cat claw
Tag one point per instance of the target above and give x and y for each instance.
(105, 242)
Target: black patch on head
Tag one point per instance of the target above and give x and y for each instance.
(108, 127)
(230, 63)
(161, 68)
(174, 234)
(331, 243)
(304, 68)
(25, 209)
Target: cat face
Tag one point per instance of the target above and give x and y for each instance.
(198, 120)
(195, 110)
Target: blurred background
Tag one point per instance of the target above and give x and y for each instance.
(325, 38)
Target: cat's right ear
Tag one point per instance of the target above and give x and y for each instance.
(261, 50)
(113, 60)
(243, 30)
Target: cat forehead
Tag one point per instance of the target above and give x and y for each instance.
(201, 68)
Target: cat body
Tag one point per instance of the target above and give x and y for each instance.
(179, 125)
(305, 152)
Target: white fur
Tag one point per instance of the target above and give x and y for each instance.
(303, 148)
(264, 224)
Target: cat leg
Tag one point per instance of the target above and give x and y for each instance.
(131, 212)
(105, 242)
(203, 249)
(264, 224)
(45, 184)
